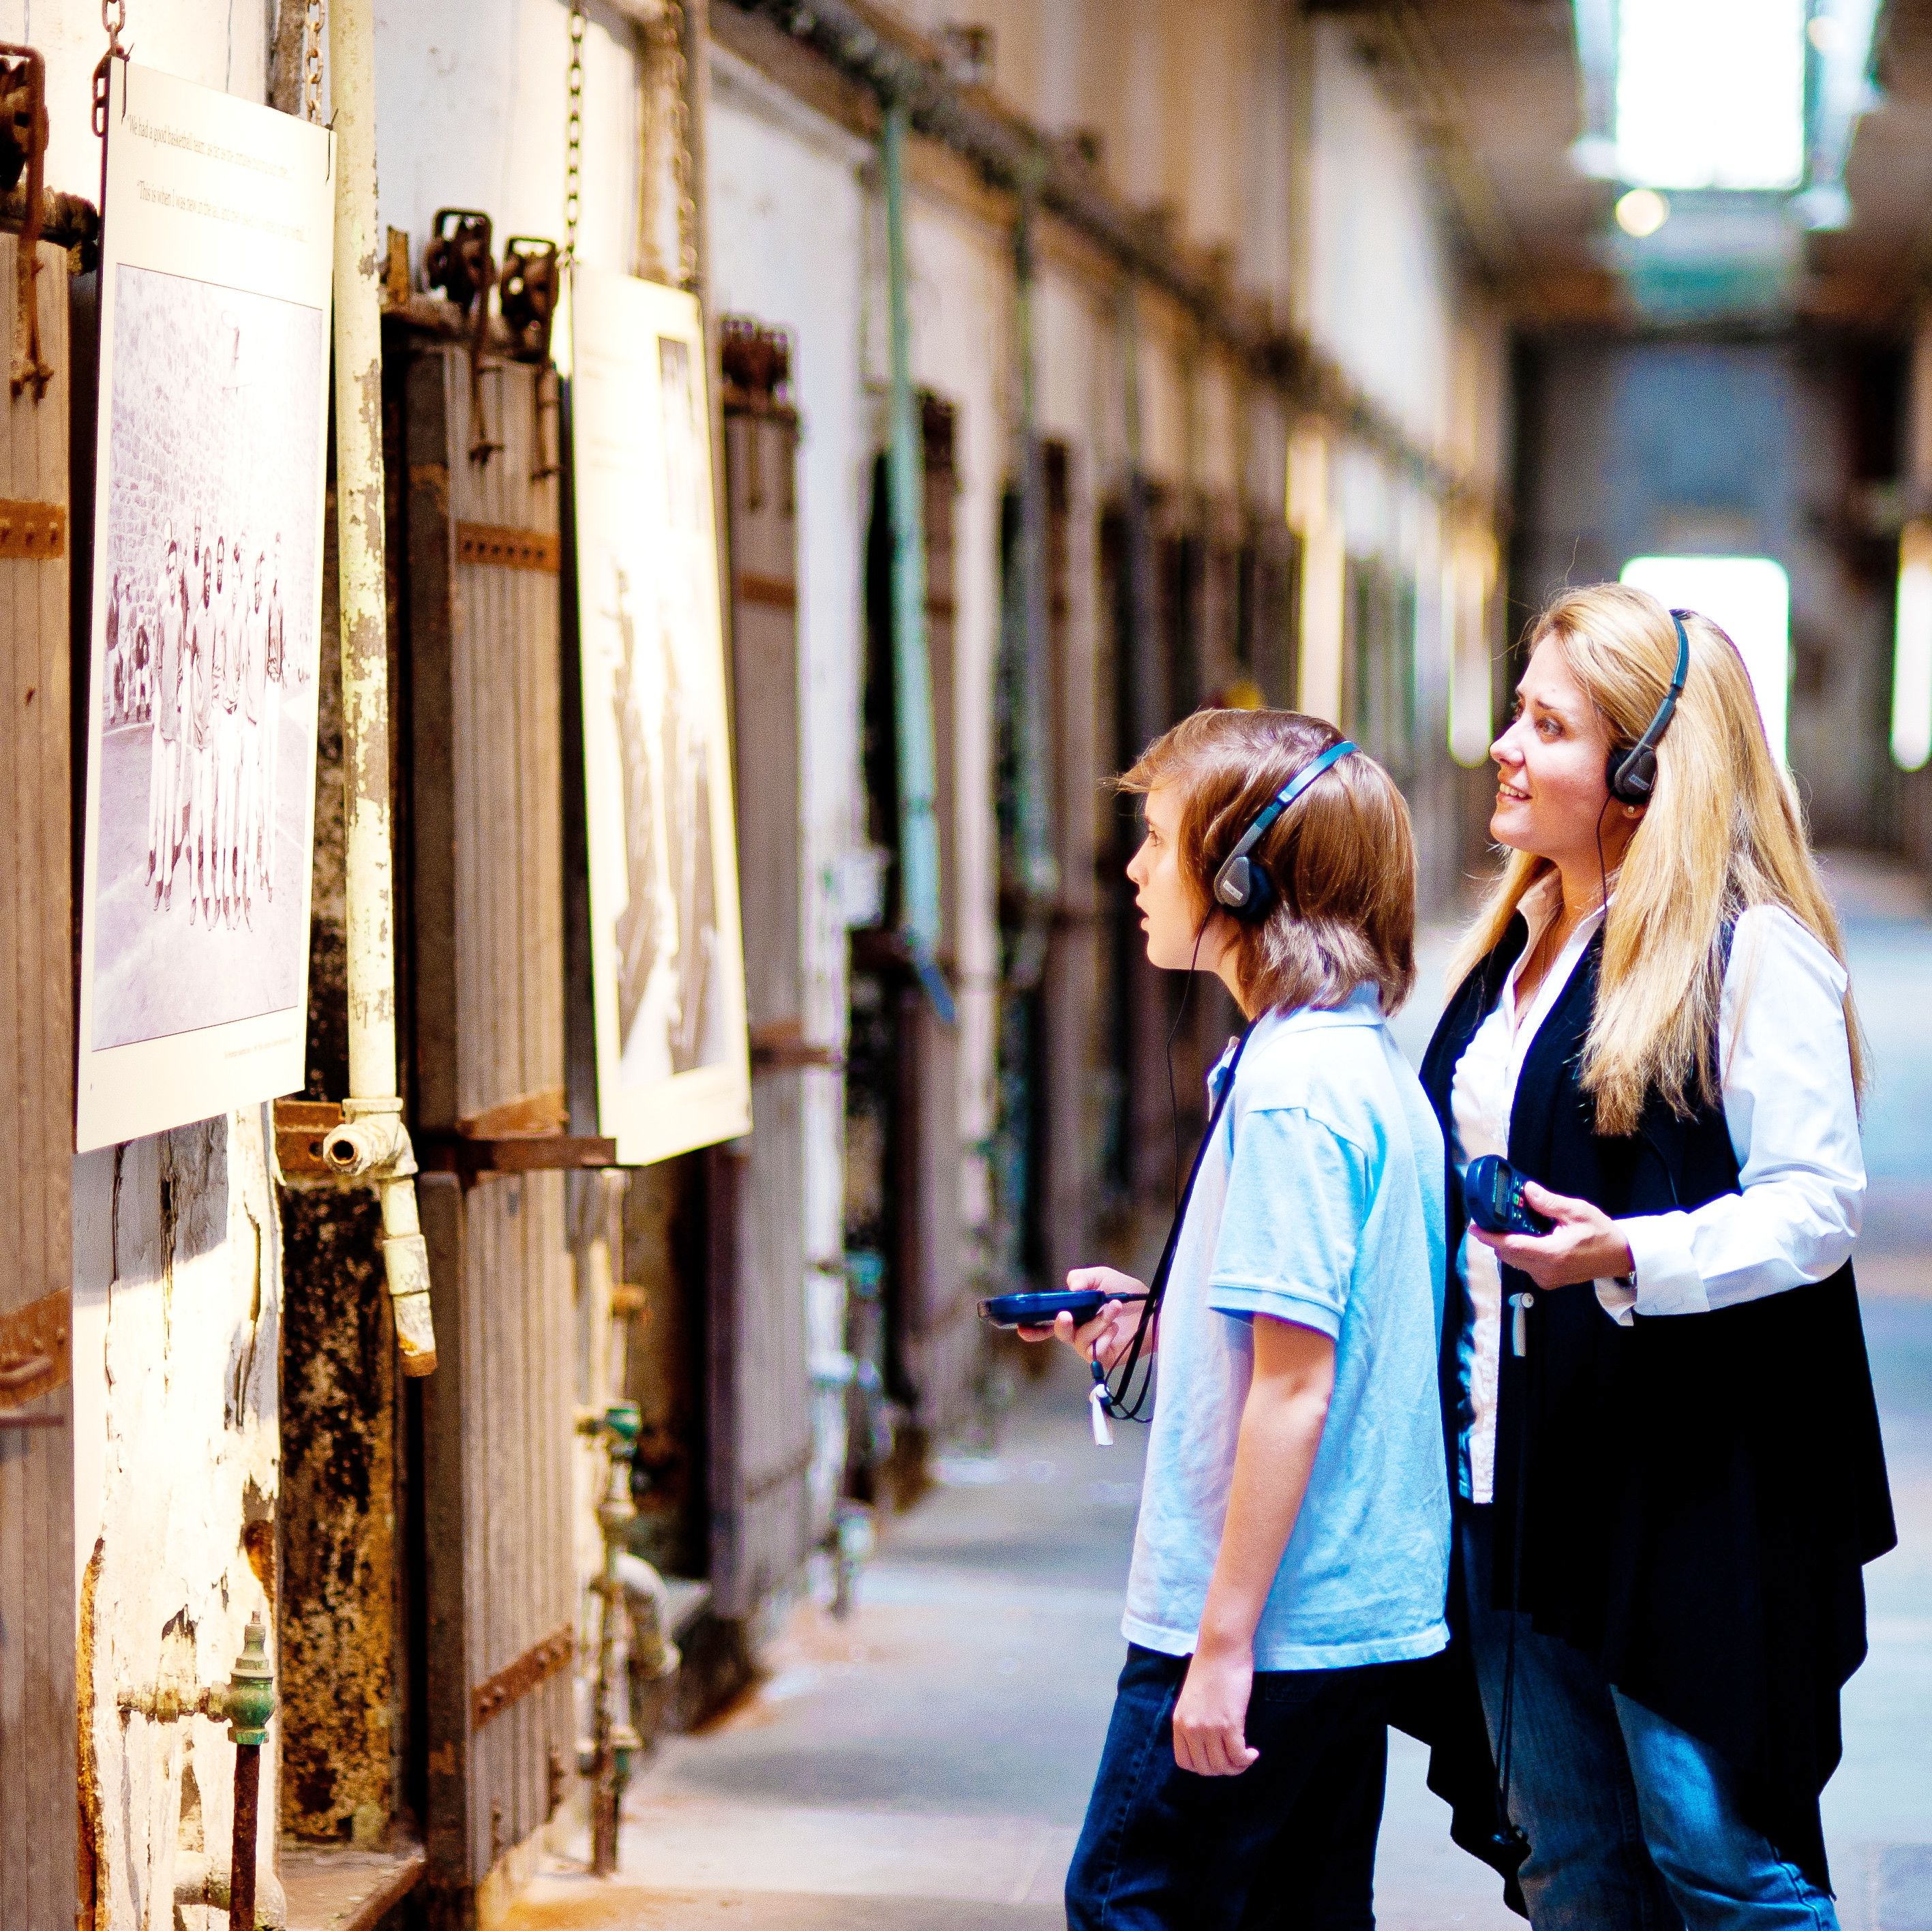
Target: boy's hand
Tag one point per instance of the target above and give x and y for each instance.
(1583, 1245)
(1105, 1336)
(1210, 1719)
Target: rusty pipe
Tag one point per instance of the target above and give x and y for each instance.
(248, 1813)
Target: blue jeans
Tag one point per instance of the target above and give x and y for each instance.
(1290, 1840)
(1634, 1824)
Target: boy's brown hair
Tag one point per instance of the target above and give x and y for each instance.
(1342, 858)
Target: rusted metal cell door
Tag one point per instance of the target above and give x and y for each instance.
(761, 1424)
(479, 592)
(939, 1331)
(37, 1605)
(483, 618)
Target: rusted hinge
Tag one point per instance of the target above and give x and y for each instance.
(535, 1666)
(36, 531)
(782, 1047)
(531, 1153)
(23, 151)
(774, 592)
(35, 1355)
(508, 549)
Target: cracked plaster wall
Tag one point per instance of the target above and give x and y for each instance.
(176, 1315)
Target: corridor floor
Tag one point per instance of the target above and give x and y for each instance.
(923, 1765)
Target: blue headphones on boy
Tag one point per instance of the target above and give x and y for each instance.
(1632, 775)
(1242, 886)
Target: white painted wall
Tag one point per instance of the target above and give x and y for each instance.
(790, 226)
(471, 97)
(177, 1311)
(1382, 289)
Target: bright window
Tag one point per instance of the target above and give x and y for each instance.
(1710, 93)
(1749, 598)
(1912, 650)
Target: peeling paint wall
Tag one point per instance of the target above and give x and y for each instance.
(176, 1321)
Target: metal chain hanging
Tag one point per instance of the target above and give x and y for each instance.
(573, 138)
(113, 18)
(680, 146)
(312, 62)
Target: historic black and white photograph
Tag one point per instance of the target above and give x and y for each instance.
(206, 612)
(210, 658)
(669, 971)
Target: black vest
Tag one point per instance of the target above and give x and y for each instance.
(1698, 1491)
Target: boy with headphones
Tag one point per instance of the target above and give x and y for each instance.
(1291, 1554)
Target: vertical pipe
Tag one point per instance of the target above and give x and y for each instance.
(1146, 708)
(1039, 874)
(912, 670)
(247, 1810)
(374, 1143)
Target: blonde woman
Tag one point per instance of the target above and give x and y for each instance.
(1662, 1440)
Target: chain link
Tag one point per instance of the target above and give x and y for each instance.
(113, 18)
(680, 147)
(312, 62)
(573, 137)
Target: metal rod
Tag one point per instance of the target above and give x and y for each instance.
(247, 1807)
(919, 909)
(373, 1143)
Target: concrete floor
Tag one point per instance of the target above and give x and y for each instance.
(925, 1764)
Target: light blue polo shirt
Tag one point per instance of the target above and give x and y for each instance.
(1320, 1202)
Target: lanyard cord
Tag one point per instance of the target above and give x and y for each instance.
(1119, 1383)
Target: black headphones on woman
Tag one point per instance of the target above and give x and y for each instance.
(1632, 774)
(1242, 886)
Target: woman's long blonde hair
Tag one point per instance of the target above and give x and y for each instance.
(1724, 831)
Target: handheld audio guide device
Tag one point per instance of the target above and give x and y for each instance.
(1492, 1192)
(1037, 1310)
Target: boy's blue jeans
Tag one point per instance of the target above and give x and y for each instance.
(1633, 1824)
(1290, 1840)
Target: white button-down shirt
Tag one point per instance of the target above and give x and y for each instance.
(1785, 1076)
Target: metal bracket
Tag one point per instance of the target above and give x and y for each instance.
(527, 301)
(36, 531)
(23, 149)
(34, 1349)
(458, 263)
(508, 548)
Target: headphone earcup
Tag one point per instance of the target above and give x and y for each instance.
(1260, 896)
(1633, 775)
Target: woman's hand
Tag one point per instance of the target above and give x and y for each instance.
(1211, 1718)
(1105, 1336)
(1583, 1245)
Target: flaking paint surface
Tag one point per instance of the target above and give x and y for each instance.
(177, 1275)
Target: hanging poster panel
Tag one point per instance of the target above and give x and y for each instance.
(207, 605)
(673, 1067)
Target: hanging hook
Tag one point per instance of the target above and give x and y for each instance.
(458, 262)
(23, 150)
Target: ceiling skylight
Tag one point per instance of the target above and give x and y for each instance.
(1710, 93)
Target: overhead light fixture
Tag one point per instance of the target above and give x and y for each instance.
(1642, 212)
(1710, 93)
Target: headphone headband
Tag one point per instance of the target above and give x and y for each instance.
(1632, 775)
(1239, 885)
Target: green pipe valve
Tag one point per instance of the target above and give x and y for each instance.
(248, 1701)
